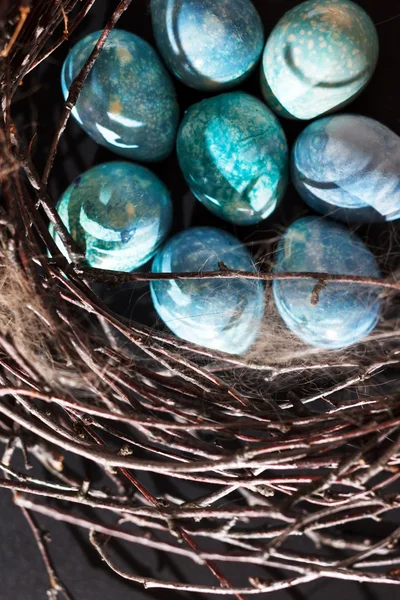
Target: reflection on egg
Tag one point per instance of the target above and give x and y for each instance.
(348, 167)
(222, 314)
(345, 312)
(208, 44)
(233, 153)
(128, 101)
(318, 58)
(118, 213)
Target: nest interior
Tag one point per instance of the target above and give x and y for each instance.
(235, 477)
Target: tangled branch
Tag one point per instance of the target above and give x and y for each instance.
(276, 450)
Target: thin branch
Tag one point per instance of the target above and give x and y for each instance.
(78, 83)
(119, 277)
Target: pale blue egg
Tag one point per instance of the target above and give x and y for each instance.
(346, 312)
(208, 44)
(128, 101)
(348, 167)
(222, 314)
(318, 58)
(118, 213)
(233, 154)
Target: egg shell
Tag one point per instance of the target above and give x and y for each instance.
(234, 156)
(128, 101)
(318, 58)
(345, 312)
(118, 213)
(348, 167)
(222, 314)
(208, 45)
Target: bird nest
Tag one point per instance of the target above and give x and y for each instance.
(272, 459)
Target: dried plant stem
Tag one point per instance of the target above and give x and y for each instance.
(56, 586)
(78, 83)
(119, 277)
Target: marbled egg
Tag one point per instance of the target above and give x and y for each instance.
(223, 314)
(345, 312)
(234, 157)
(209, 45)
(348, 166)
(118, 212)
(318, 58)
(128, 102)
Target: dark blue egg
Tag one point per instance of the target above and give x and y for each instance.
(128, 102)
(208, 44)
(345, 312)
(348, 167)
(223, 314)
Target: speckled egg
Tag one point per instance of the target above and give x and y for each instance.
(209, 45)
(234, 157)
(118, 212)
(128, 102)
(348, 166)
(318, 58)
(345, 312)
(222, 314)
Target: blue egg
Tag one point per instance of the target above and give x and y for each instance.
(346, 312)
(128, 102)
(348, 166)
(234, 157)
(209, 45)
(118, 212)
(318, 58)
(222, 314)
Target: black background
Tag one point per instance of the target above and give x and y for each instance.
(22, 576)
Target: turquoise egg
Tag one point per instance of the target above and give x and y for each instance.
(348, 167)
(345, 312)
(222, 314)
(118, 213)
(318, 58)
(208, 45)
(234, 156)
(128, 102)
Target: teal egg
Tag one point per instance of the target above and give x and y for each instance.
(222, 314)
(118, 213)
(208, 45)
(318, 58)
(128, 101)
(234, 156)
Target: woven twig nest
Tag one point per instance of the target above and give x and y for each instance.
(285, 449)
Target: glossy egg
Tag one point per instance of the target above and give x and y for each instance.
(234, 157)
(128, 102)
(118, 212)
(348, 167)
(345, 312)
(318, 58)
(222, 314)
(209, 45)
